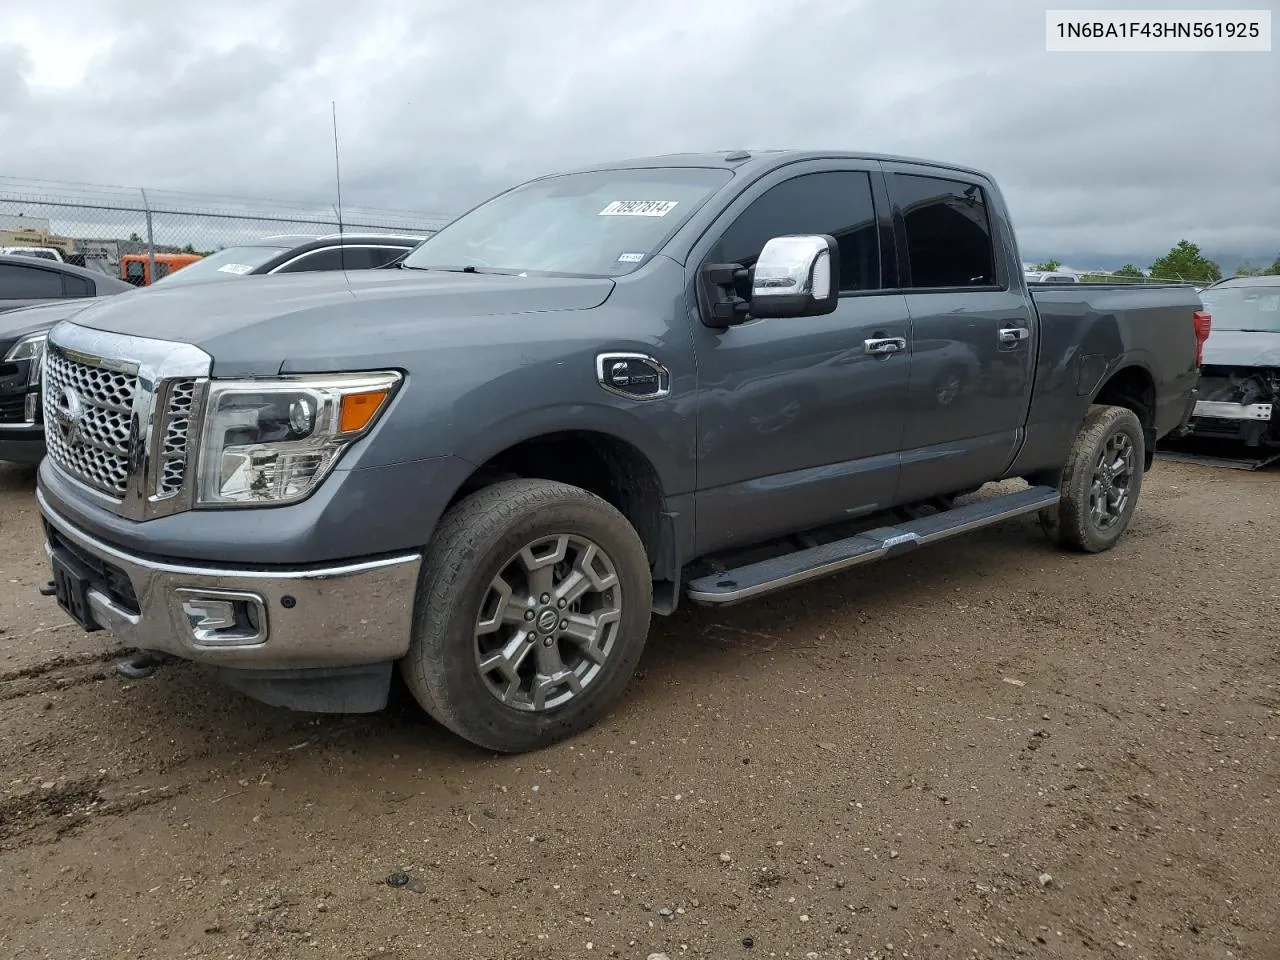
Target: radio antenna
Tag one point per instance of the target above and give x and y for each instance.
(337, 175)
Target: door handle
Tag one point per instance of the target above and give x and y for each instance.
(1012, 336)
(883, 346)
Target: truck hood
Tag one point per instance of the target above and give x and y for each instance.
(1242, 348)
(253, 327)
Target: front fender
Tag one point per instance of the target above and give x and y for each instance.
(665, 439)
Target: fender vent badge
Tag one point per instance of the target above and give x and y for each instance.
(635, 376)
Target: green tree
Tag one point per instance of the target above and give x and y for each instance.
(1274, 269)
(1248, 270)
(1129, 270)
(1185, 262)
(1048, 266)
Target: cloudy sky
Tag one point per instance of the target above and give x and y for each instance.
(441, 102)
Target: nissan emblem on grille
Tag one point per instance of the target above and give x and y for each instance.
(68, 411)
(92, 409)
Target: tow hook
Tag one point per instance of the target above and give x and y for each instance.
(141, 665)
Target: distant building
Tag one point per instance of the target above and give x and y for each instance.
(17, 221)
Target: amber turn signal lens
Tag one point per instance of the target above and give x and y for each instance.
(359, 409)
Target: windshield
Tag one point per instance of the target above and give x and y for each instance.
(600, 224)
(1244, 308)
(223, 265)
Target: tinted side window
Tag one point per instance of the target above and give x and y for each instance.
(389, 254)
(948, 232)
(838, 204)
(364, 258)
(28, 283)
(333, 258)
(326, 259)
(73, 286)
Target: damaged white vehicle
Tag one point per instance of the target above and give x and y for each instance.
(1240, 380)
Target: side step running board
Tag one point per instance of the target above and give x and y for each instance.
(777, 573)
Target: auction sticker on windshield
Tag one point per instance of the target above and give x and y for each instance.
(239, 269)
(639, 208)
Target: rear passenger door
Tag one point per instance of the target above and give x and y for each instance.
(798, 424)
(973, 336)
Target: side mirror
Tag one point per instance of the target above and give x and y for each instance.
(796, 276)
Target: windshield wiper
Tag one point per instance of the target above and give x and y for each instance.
(470, 268)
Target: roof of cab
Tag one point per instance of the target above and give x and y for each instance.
(747, 159)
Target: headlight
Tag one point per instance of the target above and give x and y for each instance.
(30, 347)
(270, 442)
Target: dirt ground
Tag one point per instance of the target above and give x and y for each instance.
(987, 749)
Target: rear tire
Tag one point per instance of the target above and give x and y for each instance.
(496, 656)
(1100, 483)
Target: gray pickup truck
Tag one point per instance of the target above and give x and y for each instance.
(710, 376)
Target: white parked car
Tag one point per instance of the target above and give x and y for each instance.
(44, 253)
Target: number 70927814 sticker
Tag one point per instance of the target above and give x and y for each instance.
(639, 208)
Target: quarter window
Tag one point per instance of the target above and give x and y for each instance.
(948, 232)
(74, 286)
(837, 203)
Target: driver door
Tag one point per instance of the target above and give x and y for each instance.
(798, 424)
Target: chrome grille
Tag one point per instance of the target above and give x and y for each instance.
(88, 414)
(176, 441)
(122, 415)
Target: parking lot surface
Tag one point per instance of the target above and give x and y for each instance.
(987, 749)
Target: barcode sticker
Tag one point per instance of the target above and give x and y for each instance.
(639, 208)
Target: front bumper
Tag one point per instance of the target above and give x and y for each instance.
(21, 443)
(239, 618)
(21, 424)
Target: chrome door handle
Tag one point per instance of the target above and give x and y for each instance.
(1012, 336)
(883, 346)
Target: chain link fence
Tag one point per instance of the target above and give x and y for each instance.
(95, 226)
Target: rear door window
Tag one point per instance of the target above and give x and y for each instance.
(948, 232)
(29, 283)
(335, 258)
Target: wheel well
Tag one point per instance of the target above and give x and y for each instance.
(1133, 387)
(610, 468)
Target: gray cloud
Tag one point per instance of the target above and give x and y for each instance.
(1102, 157)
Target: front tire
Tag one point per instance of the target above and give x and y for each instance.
(1100, 483)
(531, 615)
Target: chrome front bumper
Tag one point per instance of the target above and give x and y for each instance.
(267, 619)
